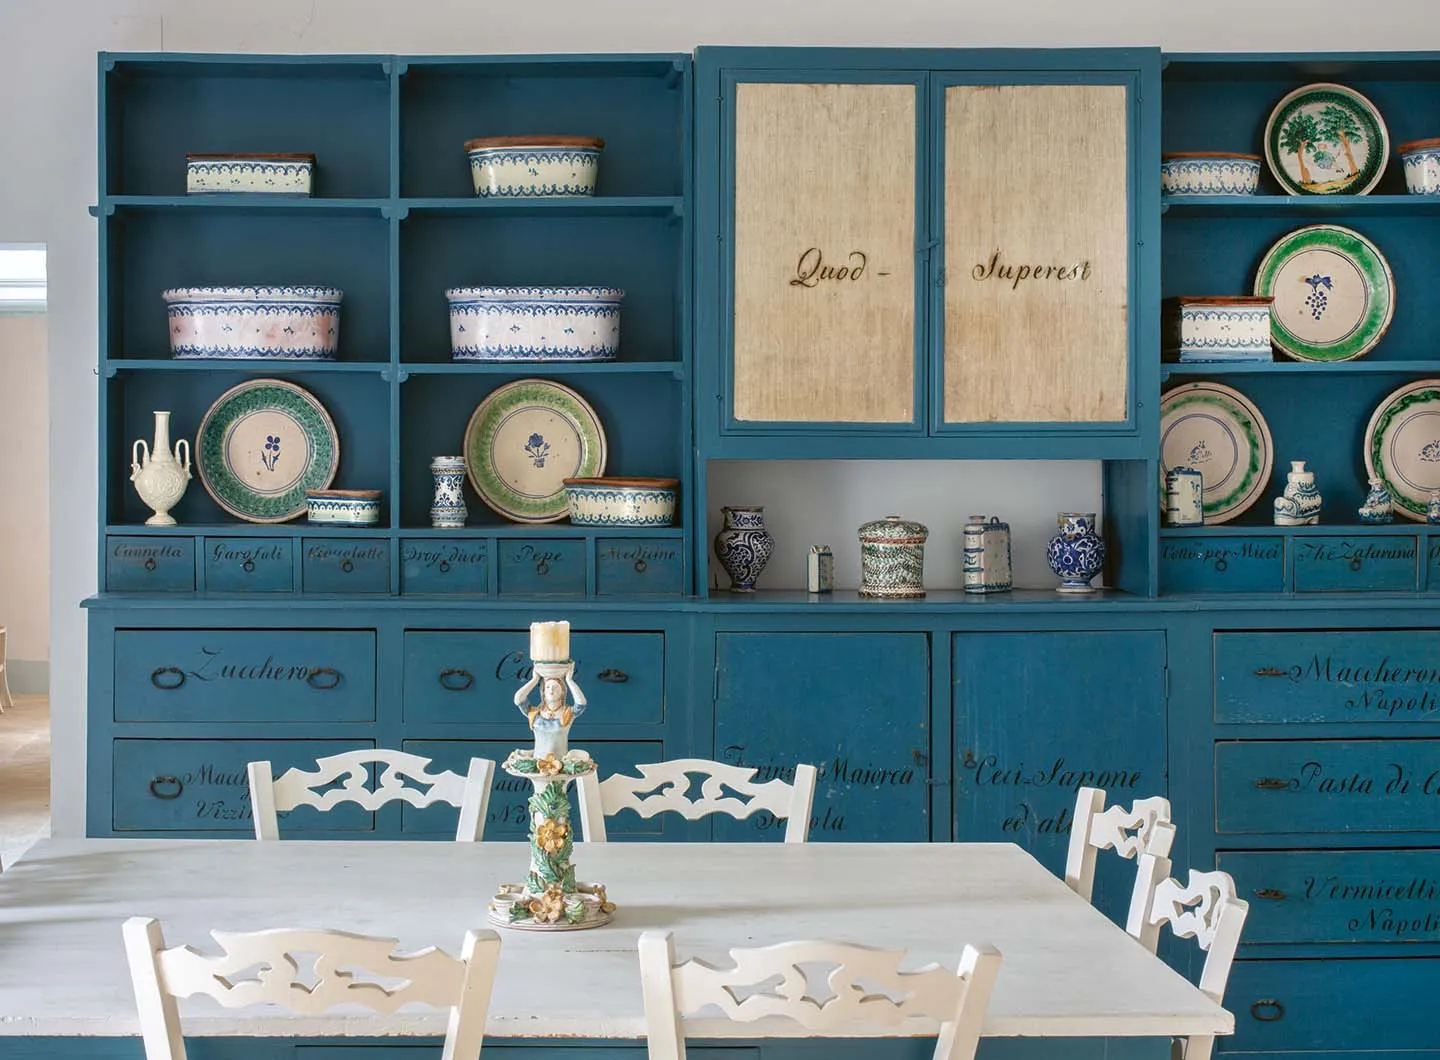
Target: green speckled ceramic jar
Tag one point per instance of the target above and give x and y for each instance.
(892, 558)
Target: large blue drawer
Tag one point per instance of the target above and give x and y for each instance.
(444, 565)
(1327, 786)
(249, 564)
(346, 565)
(229, 675)
(150, 564)
(201, 786)
(471, 678)
(1311, 676)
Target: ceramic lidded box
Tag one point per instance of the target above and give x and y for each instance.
(621, 501)
(892, 558)
(1209, 173)
(249, 174)
(343, 507)
(1218, 328)
(534, 166)
(534, 323)
(254, 323)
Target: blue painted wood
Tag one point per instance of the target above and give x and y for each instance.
(140, 564)
(444, 565)
(346, 565)
(1203, 563)
(638, 567)
(225, 676)
(248, 564)
(1356, 563)
(542, 566)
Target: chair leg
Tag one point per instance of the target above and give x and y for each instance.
(6, 700)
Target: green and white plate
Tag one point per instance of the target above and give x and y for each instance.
(262, 445)
(1326, 139)
(524, 440)
(1334, 293)
(1221, 434)
(1402, 445)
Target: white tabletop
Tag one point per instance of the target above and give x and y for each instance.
(1067, 970)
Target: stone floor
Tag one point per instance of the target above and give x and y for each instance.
(24, 775)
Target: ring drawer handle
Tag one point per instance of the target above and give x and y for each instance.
(167, 678)
(444, 565)
(328, 678)
(248, 566)
(1272, 1010)
(1270, 894)
(1270, 671)
(168, 783)
(614, 677)
(1356, 563)
(641, 566)
(456, 680)
(347, 565)
(1272, 784)
(1222, 564)
(150, 563)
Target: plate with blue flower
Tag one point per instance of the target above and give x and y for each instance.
(262, 445)
(524, 440)
(1402, 445)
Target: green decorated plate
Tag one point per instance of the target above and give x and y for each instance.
(1221, 434)
(524, 440)
(262, 445)
(1402, 445)
(1334, 293)
(1326, 139)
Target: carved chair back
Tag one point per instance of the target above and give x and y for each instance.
(1125, 830)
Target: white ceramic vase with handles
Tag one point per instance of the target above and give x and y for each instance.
(160, 474)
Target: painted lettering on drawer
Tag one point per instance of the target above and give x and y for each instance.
(444, 566)
(138, 564)
(1222, 565)
(1319, 676)
(237, 564)
(1357, 564)
(544, 568)
(1035, 812)
(340, 566)
(637, 566)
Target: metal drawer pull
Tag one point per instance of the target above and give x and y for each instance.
(248, 566)
(328, 675)
(1270, 671)
(150, 563)
(166, 782)
(167, 678)
(1272, 784)
(641, 566)
(1272, 1010)
(456, 680)
(444, 566)
(1356, 563)
(346, 565)
(614, 677)
(1270, 894)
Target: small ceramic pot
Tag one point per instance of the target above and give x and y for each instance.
(743, 545)
(1422, 166)
(254, 323)
(540, 166)
(622, 501)
(892, 558)
(447, 504)
(344, 507)
(249, 174)
(534, 323)
(1076, 553)
(1220, 328)
(1209, 173)
(1184, 497)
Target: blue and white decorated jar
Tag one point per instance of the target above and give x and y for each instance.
(534, 166)
(447, 505)
(249, 174)
(254, 323)
(1421, 159)
(622, 501)
(1209, 173)
(743, 546)
(1077, 552)
(987, 555)
(534, 323)
(1219, 328)
(892, 558)
(343, 507)
(1184, 497)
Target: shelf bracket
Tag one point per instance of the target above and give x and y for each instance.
(401, 67)
(110, 370)
(676, 74)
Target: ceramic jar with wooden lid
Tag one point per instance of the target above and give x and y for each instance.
(892, 558)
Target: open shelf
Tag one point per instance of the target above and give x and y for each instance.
(1322, 206)
(578, 206)
(674, 369)
(1401, 527)
(219, 202)
(257, 365)
(1366, 366)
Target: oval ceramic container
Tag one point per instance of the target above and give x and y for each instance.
(534, 323)
(892, 558)
(344, 507)
(622, 501)
(1209, 173)
(1326, 139)
(1217, 431)
(1334, 293)
(254, 323)
(1221, 328)
(1402, 446)
(249, 174)
(1421, 159)
(548, 166)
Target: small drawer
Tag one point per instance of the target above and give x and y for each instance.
(471, 678)
(534, 567)
(346, 565)
(1202, 564)
(249, 564)
(150, 564)
(1323, 787)
(444, 565)
(1432, 564)
(201, 786)
(1354, 564)
(227, 675)
(638, 566)
(1317, 676)
(1340, 896)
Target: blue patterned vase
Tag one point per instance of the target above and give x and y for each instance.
(1077, 552)
(743, 546)
(447, 509)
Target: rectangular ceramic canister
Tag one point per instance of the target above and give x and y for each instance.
(987, 555)
(1184, 497)
(1219, 329)
(249, 174)
(820, 569)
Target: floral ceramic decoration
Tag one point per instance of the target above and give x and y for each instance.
(534, 166)
(743, 546)
(1402, 446)
(622, 501)
(344, 507)
(1219, 432)
(892, 558)
(1209, 173)
(1218, 329)
(1077, 552)
(1326, 139)
(254, 174)
(254, 323)
(534, 323)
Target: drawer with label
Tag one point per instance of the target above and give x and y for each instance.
(150, 564)
(638, 566)
(249, 564)
(1209, 564)
(444, 565)
(1362, 563)
(346, 565)
(541, 566)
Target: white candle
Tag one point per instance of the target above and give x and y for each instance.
(549, 641)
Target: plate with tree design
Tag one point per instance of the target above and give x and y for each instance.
(261, 445)
(1220, 433)
(524, 440)
(1326, 139)
(1402, 445)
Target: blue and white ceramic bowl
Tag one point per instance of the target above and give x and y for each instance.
(343, 507)
(1209, 173)
(249, 174)
(534, 166)
(254, 323)
(534, 323)
(1422, 166)
(622, 501)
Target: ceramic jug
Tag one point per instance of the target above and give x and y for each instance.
(1300, 504)
(160, 475)
(1076, 553)
(743, 546)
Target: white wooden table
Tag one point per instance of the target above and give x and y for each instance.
(1067, 970)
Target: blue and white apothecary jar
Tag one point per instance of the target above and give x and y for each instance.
(447, 506)
(1184, 497)
(1077, 552)
(743, 546)
(987, 555)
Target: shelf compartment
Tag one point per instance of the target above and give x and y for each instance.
(579, 206)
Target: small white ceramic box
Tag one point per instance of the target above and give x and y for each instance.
(343, 507)
(254, 323)
(1222, 328)
(534, 323)
(1209, 173)
(622, 501)
(249, 173)
(1422, 166)
(534, 166)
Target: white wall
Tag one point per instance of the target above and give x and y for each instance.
(47, 138)
(25, 499)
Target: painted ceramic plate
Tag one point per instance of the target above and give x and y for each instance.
(1402, 445)
(1326, 139)
(1334, 293)
(1221, 434)
(524, 440)
(262, 445)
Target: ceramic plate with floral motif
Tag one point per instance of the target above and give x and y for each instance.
(1326, 139)
(1334, 293)
(262, 445)
(1220, 433)
(524, 440)
(1402, 445)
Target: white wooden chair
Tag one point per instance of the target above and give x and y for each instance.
(865, 993)
(664, 787)
(261, 967)
(1129, 831)
(270, 795)
(6, 699)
